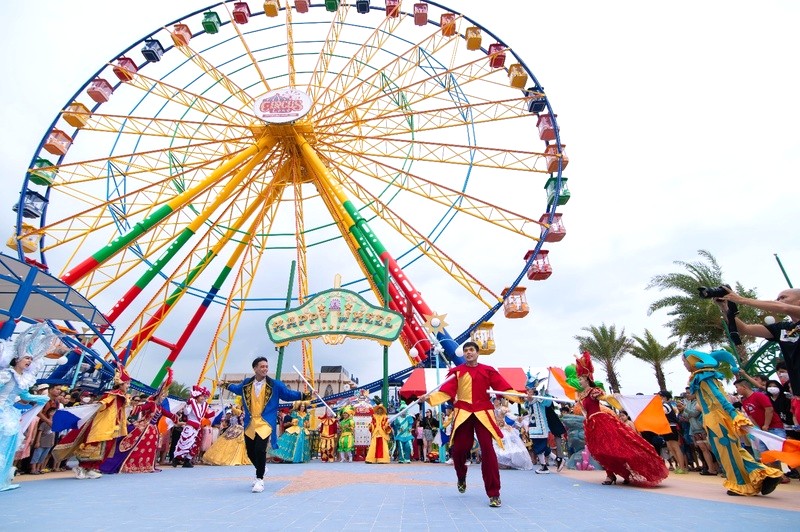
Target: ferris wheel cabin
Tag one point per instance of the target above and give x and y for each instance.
(125, 68)
(540, 268)
(241, 11)
(100, 90)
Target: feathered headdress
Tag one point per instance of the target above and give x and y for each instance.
(584, 366)
(34, 342)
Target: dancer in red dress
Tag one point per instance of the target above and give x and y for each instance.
(620, 450)
(137, 451)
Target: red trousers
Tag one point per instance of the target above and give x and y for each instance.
(461, 445)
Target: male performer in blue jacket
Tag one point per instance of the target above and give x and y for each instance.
(260, 396)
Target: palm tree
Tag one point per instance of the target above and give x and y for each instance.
(607, 347)
(649, 350)
(696, 321)
(176, 389)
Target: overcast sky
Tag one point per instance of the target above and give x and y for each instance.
(680, 122)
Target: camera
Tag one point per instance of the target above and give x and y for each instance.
(714, 293)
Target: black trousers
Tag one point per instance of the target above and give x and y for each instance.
(257, 453)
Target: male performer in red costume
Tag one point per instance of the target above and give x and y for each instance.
(474, 414)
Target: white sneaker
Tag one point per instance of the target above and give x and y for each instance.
(80, 473)
(258, 486)
(92, 473)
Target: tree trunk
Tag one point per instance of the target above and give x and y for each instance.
(662, 382)
(613, 380)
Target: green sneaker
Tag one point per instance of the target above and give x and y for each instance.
(494, 502)
(462, 485)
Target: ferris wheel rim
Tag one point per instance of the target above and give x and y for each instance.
(492, 310)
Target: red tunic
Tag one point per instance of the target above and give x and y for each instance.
(470, 389)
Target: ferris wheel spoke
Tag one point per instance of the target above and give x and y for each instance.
(249, 53)
(289, 48)
(357, 62)
(171, 234)
(396, 68)
(193, 101)
(141, 166)
(422, 243)
(316, 84)
(172, 290)
(474, 156)
(219, 77)
(306, 349)
(300, 235)
(392, 123)
(437, 193)
(196, 131)
(105, 213)
(218, 233)
(254, 154)
(241, 288)
(437, 83)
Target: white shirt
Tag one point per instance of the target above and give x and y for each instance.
(257, 385)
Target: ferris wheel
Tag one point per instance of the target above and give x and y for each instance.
(180, 182)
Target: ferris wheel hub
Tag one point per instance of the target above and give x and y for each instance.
(282, 106)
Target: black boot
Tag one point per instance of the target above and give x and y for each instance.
(187, 462)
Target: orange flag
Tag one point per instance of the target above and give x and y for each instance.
(646, 412)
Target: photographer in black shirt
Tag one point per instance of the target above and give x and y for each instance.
(786, 333)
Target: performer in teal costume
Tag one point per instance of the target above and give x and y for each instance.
(402, 436)
(293, 445)
(724, 425)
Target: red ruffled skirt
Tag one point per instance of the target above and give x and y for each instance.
(622, 451)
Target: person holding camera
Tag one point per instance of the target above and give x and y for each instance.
(786, 333)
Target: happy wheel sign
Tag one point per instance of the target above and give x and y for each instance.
(334, 315)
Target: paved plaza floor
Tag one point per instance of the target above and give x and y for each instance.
(358, 496)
